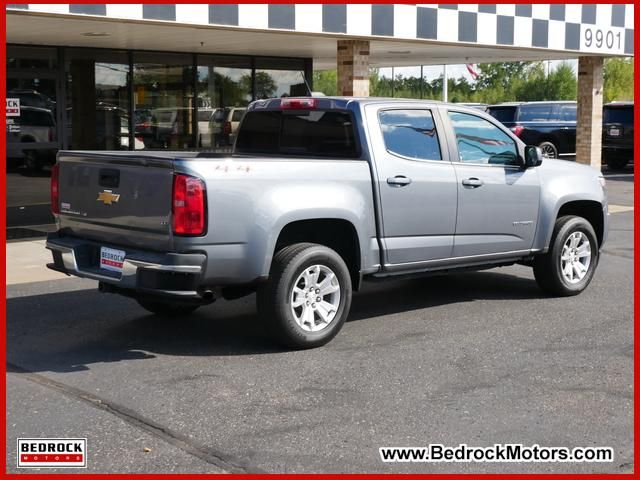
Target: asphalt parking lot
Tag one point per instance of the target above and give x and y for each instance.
(480, 358)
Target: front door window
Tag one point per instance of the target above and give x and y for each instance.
(480, 141)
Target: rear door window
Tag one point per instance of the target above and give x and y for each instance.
(503, 114)
(204, 115)
(410, 133)
(316, 133)
(218, 116)
(535, 113)
(569, 113)
(237, 115)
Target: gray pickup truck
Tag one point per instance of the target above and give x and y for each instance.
(320, 194)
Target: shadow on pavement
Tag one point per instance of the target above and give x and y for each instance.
(65, 332)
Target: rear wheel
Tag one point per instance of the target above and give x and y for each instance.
(568, 267)
(308, 295)
(167, 309)
(549, 150)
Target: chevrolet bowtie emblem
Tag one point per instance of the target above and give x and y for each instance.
(108, 197)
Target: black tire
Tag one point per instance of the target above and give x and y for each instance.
(167, 309)
(547, 268)
(617, 163)
(274, 296)
(549, 149)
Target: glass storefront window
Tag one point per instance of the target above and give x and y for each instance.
(280, 78)
(19, 57)
(224, 89)
(106, 99)
(96, 115)
(163, 101)
(31, 136)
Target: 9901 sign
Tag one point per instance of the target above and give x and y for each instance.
(602, 39)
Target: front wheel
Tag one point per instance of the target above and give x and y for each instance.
(568, 267)
(308, 295)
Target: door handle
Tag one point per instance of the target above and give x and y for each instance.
(472, 182)
(399, 180)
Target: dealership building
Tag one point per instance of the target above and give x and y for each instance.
(149, 76)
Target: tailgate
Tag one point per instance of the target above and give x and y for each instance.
(117, 198)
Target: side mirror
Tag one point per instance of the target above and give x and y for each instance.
(532, 156)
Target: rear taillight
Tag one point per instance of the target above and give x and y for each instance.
(55, 189)
(188, 206)
(517, 130)
(227, 128)
(51, 135)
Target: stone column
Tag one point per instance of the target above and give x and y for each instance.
(589, 131)
(353, 68)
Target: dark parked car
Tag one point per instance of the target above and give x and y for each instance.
(617, 134)
(550, 125)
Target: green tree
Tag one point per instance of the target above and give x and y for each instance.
(537, 84)
(222, 90)
(497, 82)
(532, 85)
(460, 90)
(265, 85)
(379, 86)
(562, 83)
(325, 81)
(500, 75)
(618, 79)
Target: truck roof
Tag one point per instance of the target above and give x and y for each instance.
(336, 102)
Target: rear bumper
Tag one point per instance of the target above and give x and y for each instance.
(175, 275)
(618, 150)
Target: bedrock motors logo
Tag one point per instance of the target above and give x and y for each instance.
(52, 452)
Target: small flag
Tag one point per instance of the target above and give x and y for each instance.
(472, 70)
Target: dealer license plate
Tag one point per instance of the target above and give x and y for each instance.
(111, 259)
